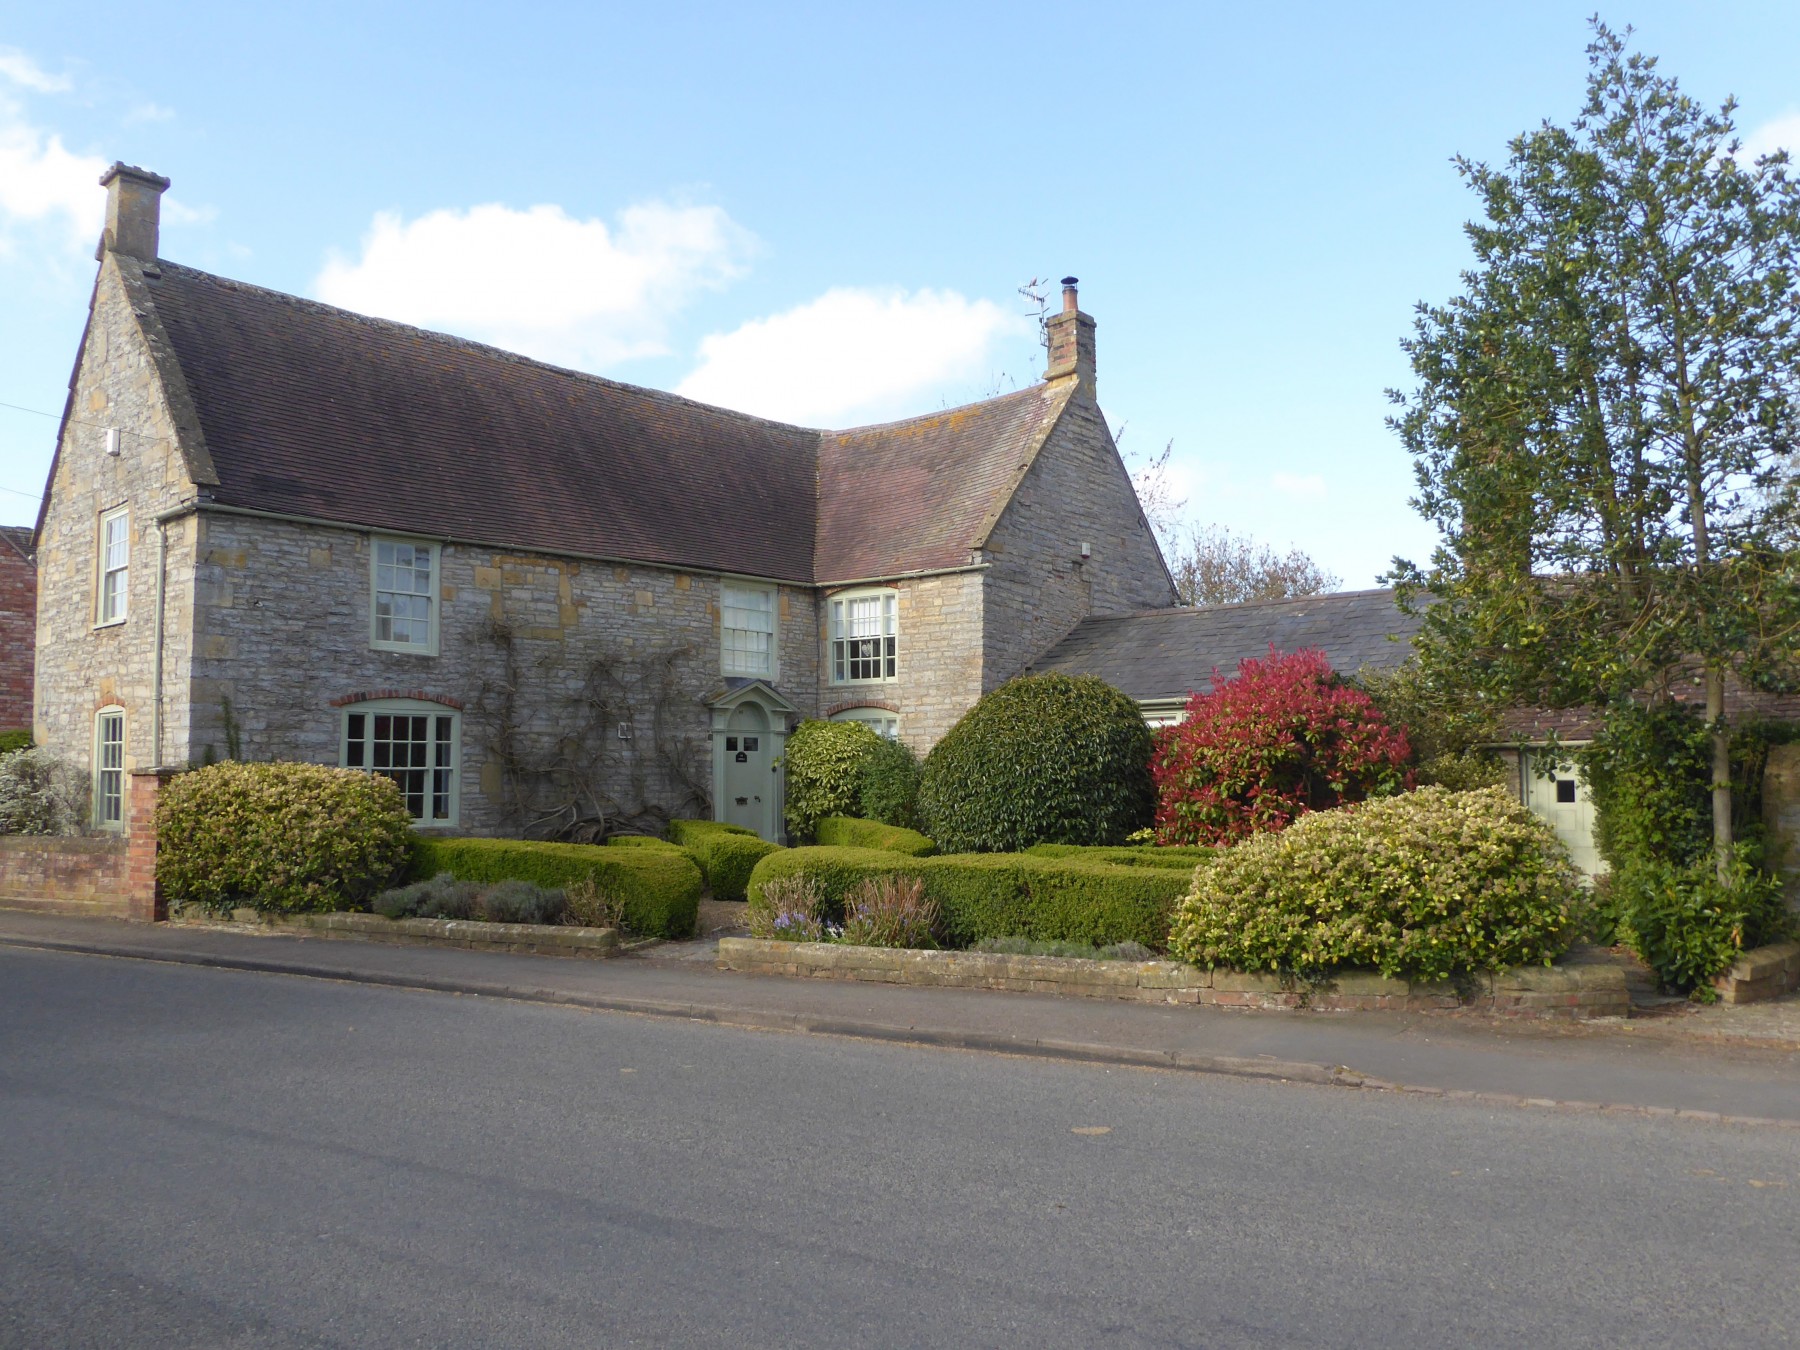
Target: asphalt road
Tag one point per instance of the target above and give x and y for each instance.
(210, 1158)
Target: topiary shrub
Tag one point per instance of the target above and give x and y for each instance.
(1282, 737)
(824, 764)
(1176, 857)
(1421, 887)
(889, 790)
(1043, 758)
(657, 891)
(279, 837)
(847, 832)
(41, 793)
(726, 853)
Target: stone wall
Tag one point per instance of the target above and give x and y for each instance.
(120, 382)
(18, 628)
(1037, 587)
(282, 622)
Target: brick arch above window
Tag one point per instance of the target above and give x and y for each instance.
(886, 705)
(374, 695)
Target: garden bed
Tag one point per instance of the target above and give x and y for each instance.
(1576, 990)
(468, 934)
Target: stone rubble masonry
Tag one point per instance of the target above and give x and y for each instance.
(18, 629)
(533, 938)
(1761, 973)
(1574, 991)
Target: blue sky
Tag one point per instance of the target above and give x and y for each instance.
(822, 212)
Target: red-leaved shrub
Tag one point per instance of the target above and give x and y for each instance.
(1282, 737)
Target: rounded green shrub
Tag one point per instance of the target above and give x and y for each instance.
(1422, 886)
(726, 853)
(824, 763)
(889, 790)
(1042, 759)
(279, 837)
(1689, 926)
(848, 832)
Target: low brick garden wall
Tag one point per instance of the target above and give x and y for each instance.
(1761, 973)
(1572, 991)
(66, 875)
(537, 939)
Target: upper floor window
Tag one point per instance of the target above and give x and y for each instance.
(879, 720)
(747, 629)
(415, 743)
(864, 636)
(115, 565)
(404, 582)
(109, 769)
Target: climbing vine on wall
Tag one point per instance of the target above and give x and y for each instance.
(550, 723)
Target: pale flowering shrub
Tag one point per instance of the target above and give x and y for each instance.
(280, 836)
(1421, 886)
(41, 793)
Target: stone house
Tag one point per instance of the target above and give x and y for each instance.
(18, 626)
(537, 598)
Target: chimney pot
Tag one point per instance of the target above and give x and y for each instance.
(1069, 301)
(133, 211)
(1071, 335)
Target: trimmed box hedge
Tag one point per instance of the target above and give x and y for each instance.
(850, 832)
(658, 889)
(987, 895)
(726, 853)
(1176, 857)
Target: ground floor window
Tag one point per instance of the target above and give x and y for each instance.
(417, 744)
(109, 768)
(879, 720)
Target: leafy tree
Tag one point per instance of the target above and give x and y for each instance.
(1212, 566)
(1604, 421)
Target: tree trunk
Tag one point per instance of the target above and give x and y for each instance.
(1721, 770)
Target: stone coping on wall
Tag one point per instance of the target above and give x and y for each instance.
(1761, 973)
(1570, 991)
(536, 938)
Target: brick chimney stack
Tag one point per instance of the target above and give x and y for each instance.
(133, 211)
(1072, 342)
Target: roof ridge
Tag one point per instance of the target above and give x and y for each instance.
(480, 348)
(1172, 610)
(1037, 388)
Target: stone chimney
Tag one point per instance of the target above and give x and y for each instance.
(1071, 336)
(133, 210)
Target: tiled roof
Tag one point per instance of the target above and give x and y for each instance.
(16, 539)
(314, 411)
(1170, 653)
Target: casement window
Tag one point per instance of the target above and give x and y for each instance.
(747, 629)
(109, 769)
(114, 566)
(879, 720)
(415, 743)
(864, 637)
(403, 582)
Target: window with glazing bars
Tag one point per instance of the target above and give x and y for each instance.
(115, 564)
(109, 768)
(403, 593)
(416, 750)
(747, 630)
(864, 637)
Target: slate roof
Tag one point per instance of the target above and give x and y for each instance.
(17, 539)
(1170, 653)
(315, 411)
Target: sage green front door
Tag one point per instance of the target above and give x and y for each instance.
(748, 771)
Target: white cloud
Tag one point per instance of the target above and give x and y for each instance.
(150, 112)
(1298, 484)
(23, 71)
(850, 355)
(539, 281)
(43, 182)
(177, 212)
(1780, 133)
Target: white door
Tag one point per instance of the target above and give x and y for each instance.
(1555, 793)
(748, 777)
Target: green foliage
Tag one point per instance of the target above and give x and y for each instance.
(726, 853)
(41, 793)
(1447, 725)
(444, 897)
(14, 740)
(889, 789)
(279, 837)
(643, 841)
(1689, 926)
(889, 911)
(1084, 951)
(1422, 886)
(847, 832)
(1177, 857)
(657, 890)
(1649, 771)
(1043, 758)
(824, 763)
(1000, 895)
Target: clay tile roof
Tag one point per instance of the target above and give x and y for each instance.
(314, 411)
(1170, 653)
(914, 495)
